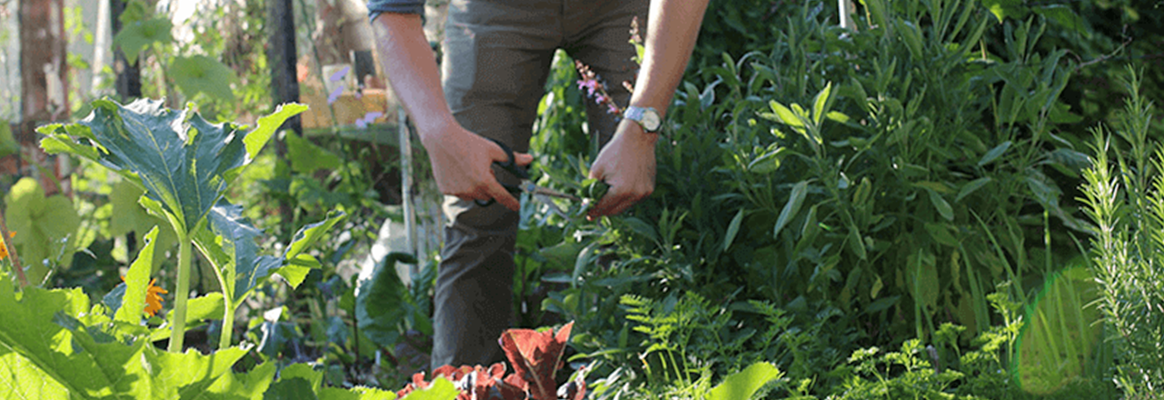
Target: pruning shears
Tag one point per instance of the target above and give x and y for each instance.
(524, 185)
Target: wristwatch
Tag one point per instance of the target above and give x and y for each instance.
(647, 118)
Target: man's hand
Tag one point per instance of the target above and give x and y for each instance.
(461, 165)
(627, 164)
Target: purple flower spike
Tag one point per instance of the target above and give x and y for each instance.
(335, 94)
(339, 75)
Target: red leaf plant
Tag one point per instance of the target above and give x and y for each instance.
(535, 357)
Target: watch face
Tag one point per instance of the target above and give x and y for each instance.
(651, 120)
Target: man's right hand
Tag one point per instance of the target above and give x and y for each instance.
(461, 160)
(462, 165)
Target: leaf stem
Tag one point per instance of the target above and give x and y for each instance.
(183, 292)
(227, 323)
(11, 250)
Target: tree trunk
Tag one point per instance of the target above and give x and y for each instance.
(128, 76)
(43, 78)
(281, 56)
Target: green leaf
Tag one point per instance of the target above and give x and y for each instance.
(768, 162)
(785, 115)
(1005, 8)
(45, 227)
(941, 205)
(439, 389)
(994, 153)
(381, 302)
(795, 200)
(562, 255)
(941, 234)
(820, 101)
(881, 304)
(39, 356)
(1065, 17)
(311, 233)
(139, 35)
(356, 393)
(8, 145)
(303, 371)
(744, 384)
(190, 374)
(1044, 190)
(295, 270)
(268, 125)
(640, 227)
(306, 157)
(294, 388)
(935, 186)
(182, 161)
(856, 244)
(969, 188)
(924, 276)
(837, 116)
(198, 309)
(131, 216)
(585, 258)
(733, 229)
(137, 281)
(244, 267)
(202, 74)
(298, 263)
(248, 386)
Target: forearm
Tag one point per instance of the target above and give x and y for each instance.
(666, 52)
(412, 71)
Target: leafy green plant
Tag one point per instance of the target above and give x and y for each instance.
(689, 341)
(47, 227)
(887, 179)
(1061, 340)
(385, 308)
(185, 164)
(1125, 199)
(57, 345)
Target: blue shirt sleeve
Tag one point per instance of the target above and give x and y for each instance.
(376, 7)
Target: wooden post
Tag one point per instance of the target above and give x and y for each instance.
(846, 10)
(406, 191)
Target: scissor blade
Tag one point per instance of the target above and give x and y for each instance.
(550, 203)
(531, 188)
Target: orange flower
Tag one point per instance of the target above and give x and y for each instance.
(3, 246)
(153, 299)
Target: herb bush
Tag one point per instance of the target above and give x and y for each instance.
(1125, 199)
(872, 184)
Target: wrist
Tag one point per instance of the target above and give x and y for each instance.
(634, 131)
(437, 130)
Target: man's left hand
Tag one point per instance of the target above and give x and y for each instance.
(627, 164)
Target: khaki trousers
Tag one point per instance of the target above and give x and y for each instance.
(497, 55)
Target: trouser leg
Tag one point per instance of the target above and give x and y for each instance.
(497, 57)
(598, 34)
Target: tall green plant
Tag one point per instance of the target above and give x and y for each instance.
(1125, 199)
(185, 164)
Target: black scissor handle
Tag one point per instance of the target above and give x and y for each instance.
(509, 165)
